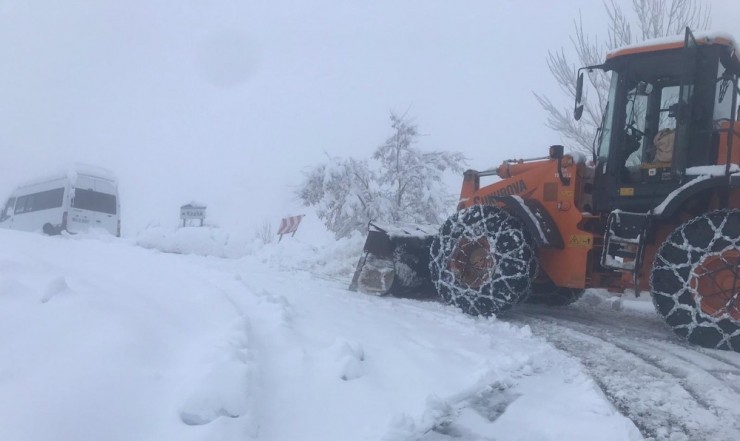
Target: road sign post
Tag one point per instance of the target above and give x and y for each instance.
(192, 211)
(289, 225)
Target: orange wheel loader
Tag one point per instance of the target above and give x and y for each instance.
(656, 208)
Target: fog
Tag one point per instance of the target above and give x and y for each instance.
(227, 102)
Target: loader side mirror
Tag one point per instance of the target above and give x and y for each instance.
(578, 111)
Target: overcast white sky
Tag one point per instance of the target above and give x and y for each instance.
(227, 101)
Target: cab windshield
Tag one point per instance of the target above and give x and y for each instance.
(651, 111)
(641, 119)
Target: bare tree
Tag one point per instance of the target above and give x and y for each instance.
(264, 232)
(400, 183)
(648, 19)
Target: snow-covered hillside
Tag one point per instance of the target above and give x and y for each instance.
(103, 339)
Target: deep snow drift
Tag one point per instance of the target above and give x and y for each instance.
(107, 340)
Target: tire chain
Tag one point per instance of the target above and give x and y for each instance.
(515, 262)
(670, 281)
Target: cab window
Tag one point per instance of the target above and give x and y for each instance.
(724, 91)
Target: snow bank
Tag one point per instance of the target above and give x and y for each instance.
(312, 249)
(203, 241)
(335, 259)
(104, 340)
(346, 365)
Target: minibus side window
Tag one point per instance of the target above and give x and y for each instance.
(42, 200)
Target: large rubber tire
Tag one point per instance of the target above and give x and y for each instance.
(483, 260)
(547, 293)
(695, 282)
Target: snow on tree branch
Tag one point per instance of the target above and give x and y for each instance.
(399, 183)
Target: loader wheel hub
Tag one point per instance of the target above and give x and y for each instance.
(471, 261)
(716, 282)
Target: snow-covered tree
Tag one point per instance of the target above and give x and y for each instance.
(343, 193)
(413, 190)
(648, 19)
(399, 183)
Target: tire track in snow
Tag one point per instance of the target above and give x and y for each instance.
(722, 371)
(669, 389)
(603, 361)
(721, 357)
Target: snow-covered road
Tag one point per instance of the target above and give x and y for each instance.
(103, 339)
(670, 389)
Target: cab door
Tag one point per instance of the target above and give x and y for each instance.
(659, 103)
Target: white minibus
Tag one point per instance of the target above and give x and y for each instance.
(77, 201)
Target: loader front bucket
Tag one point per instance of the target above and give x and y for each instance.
(396, 261)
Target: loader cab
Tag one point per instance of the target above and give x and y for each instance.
(668, 104)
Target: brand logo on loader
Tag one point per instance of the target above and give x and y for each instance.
(515, 188)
